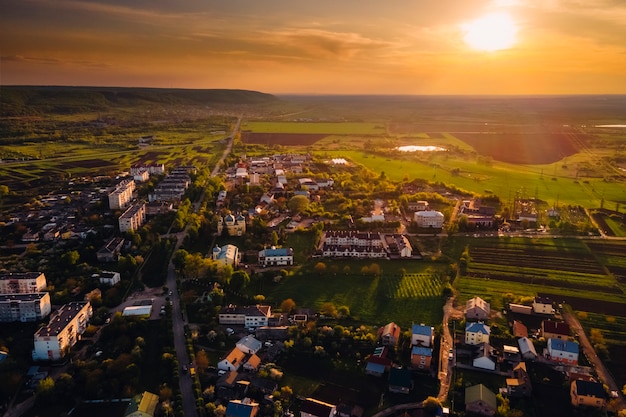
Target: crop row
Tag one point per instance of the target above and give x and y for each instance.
(413, 286)
(538, 262)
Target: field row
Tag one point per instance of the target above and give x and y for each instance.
(413, 286)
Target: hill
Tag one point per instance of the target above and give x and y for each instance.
(37, 100)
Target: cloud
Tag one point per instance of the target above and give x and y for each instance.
(43, 60)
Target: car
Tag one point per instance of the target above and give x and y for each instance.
(171, 293)
(221, 372)
(229, 330)
(184, 369)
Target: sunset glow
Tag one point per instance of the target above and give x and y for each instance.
(346, 47)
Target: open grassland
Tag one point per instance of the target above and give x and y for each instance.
(390, 296)
(315, 128)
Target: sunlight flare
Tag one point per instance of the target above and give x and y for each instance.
(492, 32)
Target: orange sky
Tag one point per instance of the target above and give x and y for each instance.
(322, 46)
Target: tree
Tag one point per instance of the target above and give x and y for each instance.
(287, 305)
(297, 204)
(70, 258)
(320, 267)
(274, 238)
(239, 280)
(329, 309)
(202, 361)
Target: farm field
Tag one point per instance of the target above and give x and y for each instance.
(324, 128)
(375, 300)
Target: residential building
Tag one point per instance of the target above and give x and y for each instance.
(352, 244)
(398, 246)
(421, 357)
(110, 252)
(133, 218)
(527, 348)
(232, 361)
(226, 255)
(480, 400)
(563, 351)
(519, 385)
(249, 344)
(429, 219)
(242, 408)
(543, 305)
(389, 334)
(122, 195)
(422, 335)
(64, 330)
(378, 363)
(589, 393)
(477, 309)
(311, 407)
(248, 316)
(555, 330)
(485, 357)
(24, 307)
(154, 208)
(276, 257)
(22, 282)
(251, 363)
(142, 405)
(417, 205)
(109, 278)
(519, 329)
(153, 169)
(476, 333)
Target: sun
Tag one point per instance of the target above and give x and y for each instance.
(492, 32)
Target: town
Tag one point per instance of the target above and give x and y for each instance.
(117, 308)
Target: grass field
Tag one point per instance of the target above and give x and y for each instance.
(412, 298)
(317, 128)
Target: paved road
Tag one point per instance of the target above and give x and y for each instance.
(604, 375)
(445, 366)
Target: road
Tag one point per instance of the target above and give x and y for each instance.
(605, 376)
(445, 365)
(178, 319)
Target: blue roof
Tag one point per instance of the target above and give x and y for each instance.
(422, 351)
(563, 345)
(379, 368)
(421, 329)
(236, 409)
(477, 327)
(278, 252)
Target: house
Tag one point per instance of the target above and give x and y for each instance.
(527, 348)
(476, 333)
(22, 282)
(242, 408)
(477, 309)
(422, 335)
(142, 405)
(276, 257)
(234, 225)
(311, 407)
(133, 218)
(480, 400)
(378, 363)
(519, 329)
(248, 316)
(485, 357)
(589, 393)
(400, 381)
(232, 361)
(249, 344)
(521, 309)
(543, 305)
(109, 278)
(562, 351)
(389, 334)
(66, 325)
(421, 357)
(252, 363)
(226, 255)
(429, 219)
(511, 354)
(554, 330)
(110, 252)
(519, 385)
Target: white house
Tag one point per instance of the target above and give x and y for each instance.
(563, 351)
(527, 348)
(276, 257)
(226, 255)
(311, 407)
(476, 333)
(109, 278)
(477, 308)
(232, 361)
(248, 344)
(543, 305)
(64, 330)
(432, 219)
(248, 316)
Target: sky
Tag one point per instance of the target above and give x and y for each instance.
(319, 47)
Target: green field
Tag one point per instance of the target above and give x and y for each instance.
(322, 127)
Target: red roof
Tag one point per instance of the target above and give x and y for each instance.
(555, 327)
